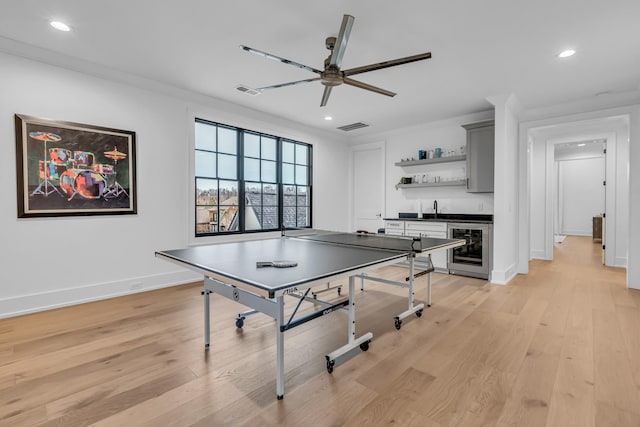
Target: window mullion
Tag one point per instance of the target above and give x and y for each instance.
(279, 184)
(241, 181)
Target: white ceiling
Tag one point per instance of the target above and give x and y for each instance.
(479, 48)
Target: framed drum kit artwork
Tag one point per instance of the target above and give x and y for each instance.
(66, 168)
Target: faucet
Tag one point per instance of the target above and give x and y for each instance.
(435, 209)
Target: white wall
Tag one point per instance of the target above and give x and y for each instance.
(505, 226)
(580, 194)
(633, 267)
(49, 262)
(405, 143)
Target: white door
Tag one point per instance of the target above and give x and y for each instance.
(368, 187)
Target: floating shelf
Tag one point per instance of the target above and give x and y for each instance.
(434, 184)
(432, 161)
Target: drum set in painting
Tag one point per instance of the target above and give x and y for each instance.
(77, 172)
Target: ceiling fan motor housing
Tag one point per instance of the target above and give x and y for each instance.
(331, 76)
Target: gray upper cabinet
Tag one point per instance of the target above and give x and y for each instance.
(480, 156)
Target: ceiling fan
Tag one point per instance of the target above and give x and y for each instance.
(332, 75)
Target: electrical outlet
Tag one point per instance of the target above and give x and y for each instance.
(136, 285)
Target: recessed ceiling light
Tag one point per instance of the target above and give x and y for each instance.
(566, 53)
(582, 145)
(328, 118)
(60, 26)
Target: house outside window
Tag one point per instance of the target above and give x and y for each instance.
(247, 181)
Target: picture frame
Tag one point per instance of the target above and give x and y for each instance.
(73, 169)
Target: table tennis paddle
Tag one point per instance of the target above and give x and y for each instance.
(276, 264)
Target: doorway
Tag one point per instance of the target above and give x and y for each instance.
(580, 191)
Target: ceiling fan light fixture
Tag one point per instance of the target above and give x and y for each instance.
(566, 53)
(61, 26)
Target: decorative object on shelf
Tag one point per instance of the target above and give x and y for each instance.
(66, 169)
(439, 183)
(438, 153)
(408, 162)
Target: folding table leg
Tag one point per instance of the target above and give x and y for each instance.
(280, 348)
(352, 313)
(207, 334)
(411, 280)
(352, 342)
(411, 309)
(429, 289)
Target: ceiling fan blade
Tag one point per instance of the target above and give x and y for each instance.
(279, 59)
(325, 95)
(288, 84)
(341, 41)
(387, 64)
(366, 86)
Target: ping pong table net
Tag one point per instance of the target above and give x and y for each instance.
(372, 241)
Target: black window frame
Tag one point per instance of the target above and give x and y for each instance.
(242, 182)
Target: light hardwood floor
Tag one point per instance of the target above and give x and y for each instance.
(559, 346)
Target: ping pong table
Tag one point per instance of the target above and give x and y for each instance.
(233, 271)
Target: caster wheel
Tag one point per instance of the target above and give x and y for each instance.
(398, 324)
(364, 346)
(239, 322)
(419, 313)
(330, 365)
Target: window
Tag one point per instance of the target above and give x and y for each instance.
(246, 181)
(296, 188)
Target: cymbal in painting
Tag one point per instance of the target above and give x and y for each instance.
(115, 154)
(45, 136)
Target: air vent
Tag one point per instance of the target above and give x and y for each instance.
(249, 91)
(353, 126)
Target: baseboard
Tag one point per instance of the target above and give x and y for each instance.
(25, 304)
(502, 277)
(538, 254)
(620, 262)
(577, 232)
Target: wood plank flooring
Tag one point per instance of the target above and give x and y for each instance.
(557, 347)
